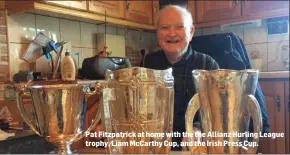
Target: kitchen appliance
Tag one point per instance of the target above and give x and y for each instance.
(94, 68)
(225, 102)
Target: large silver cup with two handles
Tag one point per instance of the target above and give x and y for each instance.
(226, 103)
(59, 110)
(138, 100)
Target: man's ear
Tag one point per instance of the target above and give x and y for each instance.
(192, 30)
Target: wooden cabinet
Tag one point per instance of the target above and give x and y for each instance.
(139, 11)
(211, 13)
(77, 4)
(111, 8)
(265, 8)
(287, 101)
(191, 8)
(276, 95)
(155, 11)
(217, 10)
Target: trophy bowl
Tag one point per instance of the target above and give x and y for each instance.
(59, 110)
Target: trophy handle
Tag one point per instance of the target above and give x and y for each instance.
(20, 93)
(254, 109)
(192, 108)
(98, 89)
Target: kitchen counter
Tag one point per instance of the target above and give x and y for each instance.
(56, 82)
(20, 134)
(25, 142)
(278, 74)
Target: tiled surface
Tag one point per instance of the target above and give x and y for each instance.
(4, 61)
(261, 51)
(16, 63)
(255, 35)
(70, 31)
(133, 39)
(89, 35)
(44, 65)
(109, 29)
(21, 28)
(77, 55)
(211, 30)
(275, 56)
(197, 32)
(87, 52)
(277, 37)
(145, 40)
(257, 39)
(49, 26)
(154, 41)
(120, 31)
(238, 31)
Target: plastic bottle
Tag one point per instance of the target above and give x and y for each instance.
(30, 76)
(68, 71)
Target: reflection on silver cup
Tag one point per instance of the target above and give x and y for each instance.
(59, 111)
(138, 100)
(225, 102)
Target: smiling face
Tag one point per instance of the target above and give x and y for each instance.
(173, 32)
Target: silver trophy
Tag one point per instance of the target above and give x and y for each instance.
(59, 111)
(225, 102)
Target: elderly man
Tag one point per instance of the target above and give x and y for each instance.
(174, 32)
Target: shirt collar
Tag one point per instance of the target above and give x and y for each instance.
(188, 54)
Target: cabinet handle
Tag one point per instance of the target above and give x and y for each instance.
(236, 2)
(278, 102)
(243, 3)
(154, 7)
(127, 5)
(288, 104)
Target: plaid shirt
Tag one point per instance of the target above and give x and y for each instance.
(183, 81)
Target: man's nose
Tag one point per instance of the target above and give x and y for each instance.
(172, 31)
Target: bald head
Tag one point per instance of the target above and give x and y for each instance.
(175, 9)
(174, 31)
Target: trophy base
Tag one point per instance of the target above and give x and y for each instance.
(63, 148)
(62, 152)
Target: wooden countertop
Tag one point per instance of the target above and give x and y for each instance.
(20, 134)
(278, 74)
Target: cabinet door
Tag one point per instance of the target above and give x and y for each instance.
(287, 112)
(265, 8)
(217, 10)
(274, 96)
(112, 8)
(139, 11)
(191, 9)
(155, 12)
(78, 4)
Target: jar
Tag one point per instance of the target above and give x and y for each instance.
(9, 92)
(30, 76)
